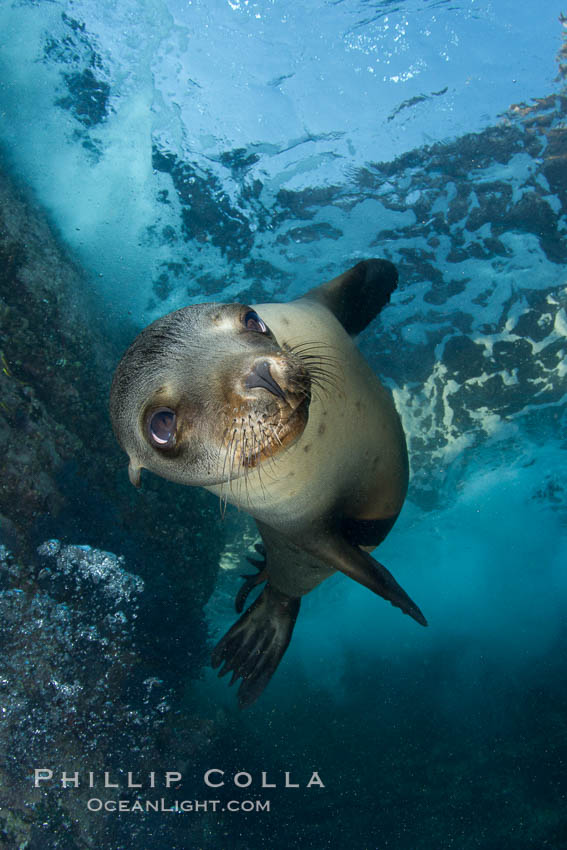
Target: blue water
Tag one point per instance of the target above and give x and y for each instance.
(240, 150)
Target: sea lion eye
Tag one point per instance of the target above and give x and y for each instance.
(161, 427)
(253, 322)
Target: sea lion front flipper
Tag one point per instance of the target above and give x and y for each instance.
(364, 569)
(254, 646)
(357, 296)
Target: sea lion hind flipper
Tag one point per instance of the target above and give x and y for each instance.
(359, 294)
(254, 646)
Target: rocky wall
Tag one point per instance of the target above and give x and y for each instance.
(96, 648)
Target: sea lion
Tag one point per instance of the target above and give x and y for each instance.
(273, 408)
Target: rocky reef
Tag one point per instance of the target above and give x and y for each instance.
(95, 652)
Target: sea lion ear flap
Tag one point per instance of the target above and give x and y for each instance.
(358, 295)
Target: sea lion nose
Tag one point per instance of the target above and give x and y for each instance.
(260, 376)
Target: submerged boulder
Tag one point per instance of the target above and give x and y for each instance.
(95, 656)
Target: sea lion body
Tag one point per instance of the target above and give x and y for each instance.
(273, 408)
(352, 456)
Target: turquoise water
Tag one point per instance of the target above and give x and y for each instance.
(246, 151)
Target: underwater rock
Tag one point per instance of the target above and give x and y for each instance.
(57, 659)
(73, 572)
(58, 457)
(77, 692)
(310, 233)
(206, 210)
(84, 77)
(87, 99)
(93, 656)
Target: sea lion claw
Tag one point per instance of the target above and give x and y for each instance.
(250, 582)
(256, 563)
(261, 550)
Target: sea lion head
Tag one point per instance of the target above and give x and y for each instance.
(205, 393)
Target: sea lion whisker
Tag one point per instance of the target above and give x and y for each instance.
(251, 455)
(254, 455)
(320, 393)
(227, 448)
(300, 389)
(226, 453)
(267, 448)
(229, 457)
(317, 363)
(308, 354)
(223, 495)
(317, 370)
(325, 386)
(245, 452)
(307, 358)
(324, 382)
(311, 354)
(219, 471)
(268, 443)
(237, 443)
(258, 466)
(327, 382)
(311, 349)
(310, 361)
(244, 457)
(275, 433)
(317, 366)
(274, 453)
(245, 463)
(309, 344)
